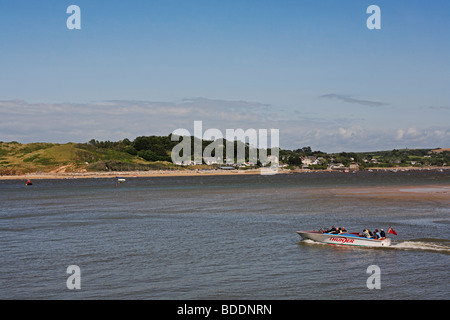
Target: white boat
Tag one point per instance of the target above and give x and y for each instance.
(345, 239)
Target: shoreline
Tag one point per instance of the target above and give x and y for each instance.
(126, 174)
(197, 172)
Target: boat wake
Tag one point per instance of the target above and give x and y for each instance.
(424, 244)
(309, 241)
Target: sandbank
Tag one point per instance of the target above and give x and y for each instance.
(432, 192)
(127, 174)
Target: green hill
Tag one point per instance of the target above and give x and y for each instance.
(153, 153)
(16, 158)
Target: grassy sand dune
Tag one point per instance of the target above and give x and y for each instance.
(20, 159)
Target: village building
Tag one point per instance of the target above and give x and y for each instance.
(210, 160)
(353, 166)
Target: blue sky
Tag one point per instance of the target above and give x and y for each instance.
(309, 68)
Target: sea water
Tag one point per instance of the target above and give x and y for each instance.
(221, 237)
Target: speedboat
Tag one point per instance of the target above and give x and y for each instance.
(346, 239)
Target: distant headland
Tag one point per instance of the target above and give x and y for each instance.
(152, 155)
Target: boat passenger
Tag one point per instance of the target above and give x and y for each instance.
(343, 230)
(377, 234)
(333, 229)
(337, 231)
(366, 233)
(382, 234)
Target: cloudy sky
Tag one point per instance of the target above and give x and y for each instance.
(310, 68)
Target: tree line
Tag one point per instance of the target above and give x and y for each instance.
(159, 148)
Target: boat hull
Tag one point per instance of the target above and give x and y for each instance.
(346, 239)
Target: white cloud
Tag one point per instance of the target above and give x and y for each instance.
(413, 132)
(400, 134)
(119, 119)
(424, 137)
(352, 132)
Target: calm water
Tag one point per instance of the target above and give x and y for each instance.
(222, 237)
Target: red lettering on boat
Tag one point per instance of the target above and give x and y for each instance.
(341, 240)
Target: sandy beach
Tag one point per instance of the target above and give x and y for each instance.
(195, 172)
(127, 174)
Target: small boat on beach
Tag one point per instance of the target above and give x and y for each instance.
(351, 239)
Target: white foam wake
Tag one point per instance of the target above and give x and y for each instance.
(421, 245)
(436, 246)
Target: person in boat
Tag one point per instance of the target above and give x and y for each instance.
(342, 230)
(332, 230)
(366, 233)
(377, 234)
(382, 234)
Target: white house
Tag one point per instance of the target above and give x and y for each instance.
(310, 160)
(273, 159)
(210, 160)
(336, 166)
